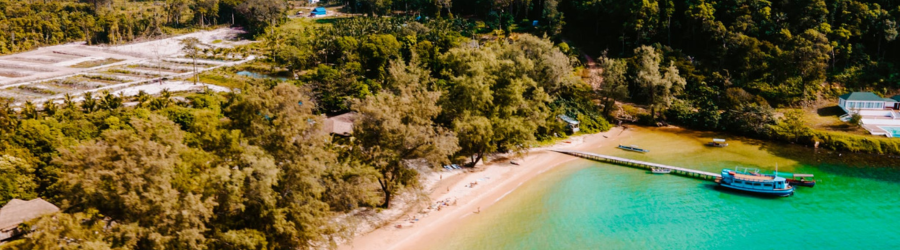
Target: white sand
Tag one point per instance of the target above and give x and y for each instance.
(495, 181)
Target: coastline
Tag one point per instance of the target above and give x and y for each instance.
(494, 181)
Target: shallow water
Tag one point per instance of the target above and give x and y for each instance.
(590, 205)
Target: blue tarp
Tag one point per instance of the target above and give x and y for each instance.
(319, 11)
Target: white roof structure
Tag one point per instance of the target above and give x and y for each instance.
(568, 119)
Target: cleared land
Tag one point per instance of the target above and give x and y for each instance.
(52, 72)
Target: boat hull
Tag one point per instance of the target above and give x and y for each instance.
(801, 183)
(639, 150)
(782, 193)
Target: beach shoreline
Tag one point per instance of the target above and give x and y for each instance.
(492, 182)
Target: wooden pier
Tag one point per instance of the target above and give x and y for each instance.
(642, 164)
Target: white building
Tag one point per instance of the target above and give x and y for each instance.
(879, 115)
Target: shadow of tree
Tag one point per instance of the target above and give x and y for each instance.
(830, 111)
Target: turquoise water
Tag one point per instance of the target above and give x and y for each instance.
(590, 205)
(895, 131)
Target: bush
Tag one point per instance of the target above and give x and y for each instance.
(593, 123)
(855, 119)
(855, 143)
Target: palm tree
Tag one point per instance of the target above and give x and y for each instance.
(30, 111)
(89, 104)
(67, 100)
(142, 97)
(50, 107)
(110, 101)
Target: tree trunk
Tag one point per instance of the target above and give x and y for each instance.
(387, 197)
(478, 158)
(606, 104)
(196, 76)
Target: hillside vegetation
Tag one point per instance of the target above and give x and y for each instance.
(438, 82)
(28, 24)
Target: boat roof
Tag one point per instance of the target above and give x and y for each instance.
(759, 178)
(803, 175)
(719, 140)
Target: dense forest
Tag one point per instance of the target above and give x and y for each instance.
(28, 24)
(437, 82)
(256, 169)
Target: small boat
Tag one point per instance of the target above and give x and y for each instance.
(717, 143)
(805, 180)
(656, 170)
(634, 148)
(749, 180)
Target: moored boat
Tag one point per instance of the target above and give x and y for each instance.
(656, 170)
(749, 180)
(633, 148)
(717, 143)
(805, 180)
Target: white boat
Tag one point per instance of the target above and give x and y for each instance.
(717, 143)
(660, 170)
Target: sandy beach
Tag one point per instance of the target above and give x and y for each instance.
(494, 181)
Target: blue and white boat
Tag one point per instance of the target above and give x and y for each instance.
(749, 180)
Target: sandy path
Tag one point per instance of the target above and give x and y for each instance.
(495, 182)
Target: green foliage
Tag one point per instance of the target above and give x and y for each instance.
(83, 230)
(659, 87)
(396, 127)
(17, 179)
(498, 95)
(27, 25)
(614, 83)
(792, 127)
(855, 118)
(853, 143)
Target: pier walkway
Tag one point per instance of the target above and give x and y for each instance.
(642, 164)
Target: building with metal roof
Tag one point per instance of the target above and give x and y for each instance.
(571, 123)
(856, 101)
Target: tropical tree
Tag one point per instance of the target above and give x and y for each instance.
(660, 87)
(89, 104)
(614, 83)
(395, 127)
(191, 48)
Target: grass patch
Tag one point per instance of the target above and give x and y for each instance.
(827, 118)
(96, 63)
(36, 90)
(217, 77)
